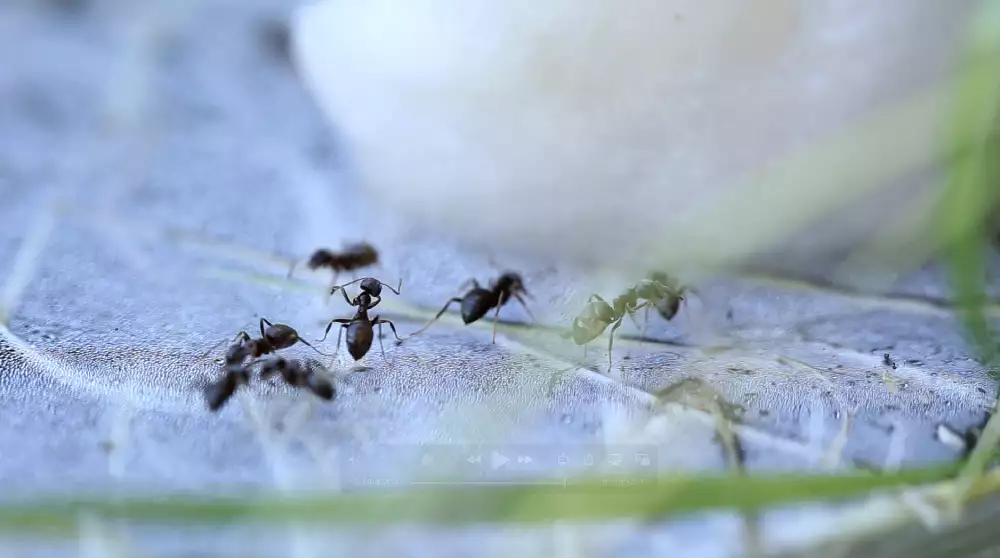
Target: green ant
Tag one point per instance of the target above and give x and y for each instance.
(660, 291)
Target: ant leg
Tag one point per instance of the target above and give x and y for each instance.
(645, 322)
(241, 337)
(329, 325)
(344, 325)
(631, 315)
(373, 305)
(262, 322)
(291, 268)
(525, 306)
(391, 326)
(496, 318)
(611, 341)
(378, 321)
(467, 282)
(438, 316)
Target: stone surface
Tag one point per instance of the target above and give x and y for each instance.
(157, 158)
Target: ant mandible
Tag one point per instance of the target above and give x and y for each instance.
(478, 301)
(360, 328)
(351, 257)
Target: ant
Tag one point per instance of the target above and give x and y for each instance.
(360, 328)
(351, 257)
(218, 394)
(599, 314)
(887, 361)
(275, 337)
(309, 374)
(670, 304)
(478, 301)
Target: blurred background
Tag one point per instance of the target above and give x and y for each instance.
(164, 164)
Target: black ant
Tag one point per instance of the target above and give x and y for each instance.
(218, 393)
(309, 374)
(478, 301)
(274, 338)
(887, 361)
(351, 257)
(599, 314)
(360, 328)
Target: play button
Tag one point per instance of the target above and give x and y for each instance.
(498, 460)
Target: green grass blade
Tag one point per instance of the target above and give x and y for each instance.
(589, 500)
(972, 185)
(970, 195)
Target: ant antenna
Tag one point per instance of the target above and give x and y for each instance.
(538, 274)
(216, 346)
(307, 344)
(398, 288)
(210, 349)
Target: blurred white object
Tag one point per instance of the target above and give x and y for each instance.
(640, 133)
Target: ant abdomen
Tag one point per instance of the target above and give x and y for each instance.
(598, 309)
(585, 331)
(281, 336)
(359, 339)
(476, 304)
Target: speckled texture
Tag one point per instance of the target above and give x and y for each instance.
(101, 370)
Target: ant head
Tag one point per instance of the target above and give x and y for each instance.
(512, 281)
(371, 286)
(319, 258)
(237, 351)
